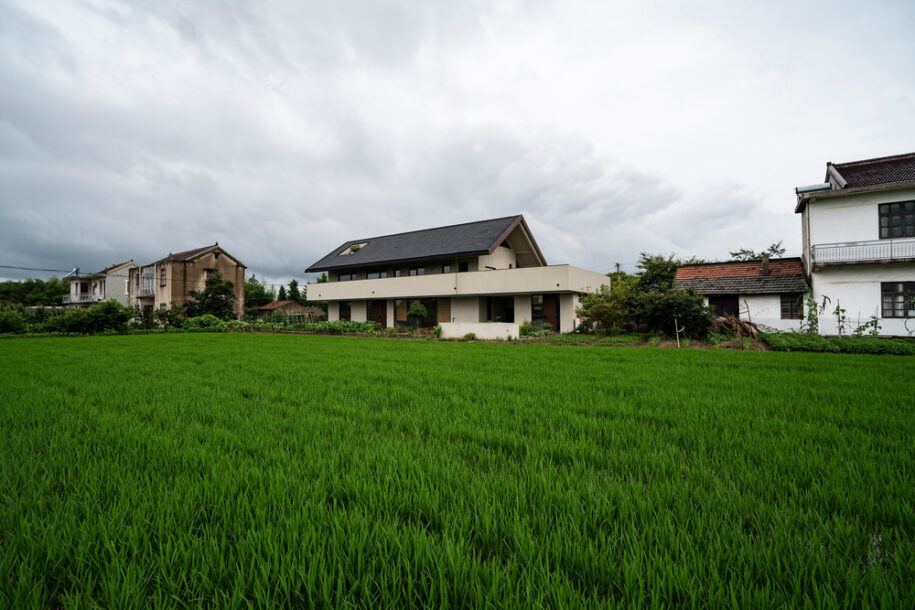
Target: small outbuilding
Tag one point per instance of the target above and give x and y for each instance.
(290, 311)
(766, 292)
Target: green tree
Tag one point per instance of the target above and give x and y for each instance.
(217, 298)
(747, 254)
(293, 292)
(256, 294)
(33, 292)
(657, 271)
(282, 295)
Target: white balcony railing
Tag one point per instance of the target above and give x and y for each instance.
(147, 288)
(881, 250)
(82, 298)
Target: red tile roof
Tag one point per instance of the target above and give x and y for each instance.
(744, 277)
(279, 304)
(779, 266)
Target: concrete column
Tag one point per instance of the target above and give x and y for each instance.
(333, 311)
(357, 311)
(523, 310)
(390, 314)
(567, 320)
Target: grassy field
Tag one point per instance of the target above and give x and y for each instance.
(233, 470)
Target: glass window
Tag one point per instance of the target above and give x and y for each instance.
(346, 277)
(446, 268)
(898, 299)
(374, 275)
(897, 220)
(792, 306)
(345, 310)
(162, 280)
(397, 273)
(417, 271)
(463, 267)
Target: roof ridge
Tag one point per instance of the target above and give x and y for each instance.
(755, 260)
(459, 224)
(873, 160)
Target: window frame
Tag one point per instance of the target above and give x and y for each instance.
(899, 299)
(349, 311)
(792, 305)
(463, 267)
(414, 271)
(346, 277)
(446, 268)
(162, 276)
(904, 212)
(376, 275)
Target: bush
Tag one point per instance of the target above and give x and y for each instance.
(107, 316)
(528, 329)
(11, 321)
(339, 327)
(470, 337)
(658, 310)
(796, 342)
(205, 322)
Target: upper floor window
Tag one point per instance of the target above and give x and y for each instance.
(345, 277)
(898, 299)
(897, 220)
(417, 271)
(463, 267)
(397, 273)
(162, 277)
(374, 275)
(208, 273)
(446, 268)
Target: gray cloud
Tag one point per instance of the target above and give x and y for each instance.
(129, 130)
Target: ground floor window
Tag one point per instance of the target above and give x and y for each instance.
(403, 317)
(792, 306)
(345, 313)
(500, 309)
(537, 309)
(898, 299)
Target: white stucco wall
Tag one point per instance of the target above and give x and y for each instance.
(482, 330)
(850, 218)
(333, 311)
(857, 289)
(500, 258)
(765, 310)
(567, 320)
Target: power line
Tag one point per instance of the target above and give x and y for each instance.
(35, 269)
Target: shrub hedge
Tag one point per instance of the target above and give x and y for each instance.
(797, 342)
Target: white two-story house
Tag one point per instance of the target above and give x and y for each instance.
(858, 230)
(109, 283)
(467, 274)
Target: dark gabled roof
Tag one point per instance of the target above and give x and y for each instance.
(280, 304)
(871, 172)
(192, 254)
(868, 175)
(467, 239)
(743, 277)
(113, 267)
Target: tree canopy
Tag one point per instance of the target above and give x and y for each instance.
(217, 298)
(747, 254)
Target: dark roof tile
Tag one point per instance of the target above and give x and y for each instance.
(883, 170)
(743, 277)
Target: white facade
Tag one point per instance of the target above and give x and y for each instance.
(765, 311)
(105, 285)
(850, 263)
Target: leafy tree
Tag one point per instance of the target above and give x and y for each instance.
(217, 298)
(256, 294)
(293, 293)
(417, 312)
(34, 292)
(746, 254)
(657, 271)
(282, 295)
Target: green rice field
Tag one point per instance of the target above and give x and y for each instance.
(234, 470)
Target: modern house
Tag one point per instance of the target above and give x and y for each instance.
(109, 283)
(858, 231)
(467, 274)
(170, 280)
(766, 292)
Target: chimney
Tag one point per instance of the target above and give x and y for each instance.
(764, 270)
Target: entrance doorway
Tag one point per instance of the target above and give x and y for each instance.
(378, 312)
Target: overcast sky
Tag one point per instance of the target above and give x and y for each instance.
(282, 129)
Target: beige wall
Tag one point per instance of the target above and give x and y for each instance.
(333, 311)
(357, 311)
(567, 320)
(181, 277)
(557, 278)
(501, 258)
(482, 330)
(523, 309)
(465, 309)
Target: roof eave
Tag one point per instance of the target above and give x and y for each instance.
(854, 190)
(399, 261)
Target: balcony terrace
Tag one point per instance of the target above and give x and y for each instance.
(861, 252)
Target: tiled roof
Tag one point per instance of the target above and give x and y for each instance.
(883, 170)
(744, 277)
(468, 239)
(113, 267)
(183, 256)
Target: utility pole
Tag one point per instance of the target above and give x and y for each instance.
(617, 272)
